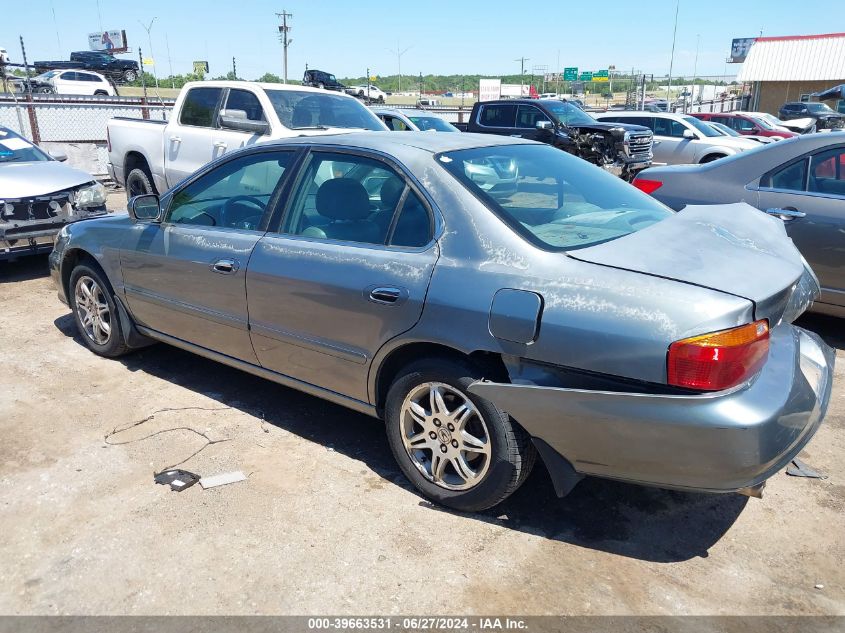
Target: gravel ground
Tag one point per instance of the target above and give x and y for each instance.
(325, 523)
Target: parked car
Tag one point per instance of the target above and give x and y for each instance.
(426, 102)
(577, 319)
(825, 117)
(728, 131)
(745, 124)
(363, 92)
(322, 80)
(121, 70)
(799, 126)
(211, 118)
(799, 180)
(73, 82)
(408, 120)
(622, 149)
(681, 139)
(39, 195)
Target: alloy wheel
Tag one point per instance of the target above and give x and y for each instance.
(93, 310)
(445, 436)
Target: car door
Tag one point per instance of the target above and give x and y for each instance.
(68, 83)
(811, 191)
(497, 118)
(527, 117)
(673, 148)
(347, 270)
(186, 277)
(188, 140)
(225, 140)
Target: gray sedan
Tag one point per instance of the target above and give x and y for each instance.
(799, 180)
(569, 316)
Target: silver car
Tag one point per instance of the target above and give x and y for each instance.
(578, 319)
(413, 120)
(799, 180)
(39, 195)
(680, 139)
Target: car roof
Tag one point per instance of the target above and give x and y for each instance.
(666, 115)
(225, 83)
(388, 142)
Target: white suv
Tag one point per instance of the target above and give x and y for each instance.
(76, 82)
(680, 139)
(376, 94)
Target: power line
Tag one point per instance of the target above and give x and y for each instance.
(399, 52)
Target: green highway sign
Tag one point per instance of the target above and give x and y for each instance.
(600, 75)
(570, 74)
(586, 76)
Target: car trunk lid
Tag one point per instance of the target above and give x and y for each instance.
(732, 248)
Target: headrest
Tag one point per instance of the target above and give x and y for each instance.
(391, 191)
(343, 199)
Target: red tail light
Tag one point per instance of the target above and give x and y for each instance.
(719, 360)
(646, 185)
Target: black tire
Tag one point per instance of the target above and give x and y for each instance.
(512, 454)
(138, 182)
(114, 344)
(101, 93)
(44, 90)
(710, 158)
(130, 75)
(380, 99)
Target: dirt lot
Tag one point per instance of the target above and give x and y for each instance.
(326, 523)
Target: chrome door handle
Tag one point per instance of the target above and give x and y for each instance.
(225, 266)
(786, 214)
(383, 294)
(220, 144)
(176, 139)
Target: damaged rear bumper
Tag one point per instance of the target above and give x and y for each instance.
(715, 442)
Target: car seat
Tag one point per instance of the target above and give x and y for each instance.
(345, 203)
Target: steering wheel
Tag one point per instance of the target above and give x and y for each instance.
(229, 205)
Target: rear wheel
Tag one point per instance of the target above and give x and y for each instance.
(138, 183)
(130, 75)
(95, 313)
(459, 450)
(100, 93)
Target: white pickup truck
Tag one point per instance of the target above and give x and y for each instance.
(211, 118)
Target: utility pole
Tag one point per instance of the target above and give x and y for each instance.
(283, 35)
(399, 52)
(672, 58)
(169, 62)
(695, 68)
(522, 61)
(148, 29)
(420, 85)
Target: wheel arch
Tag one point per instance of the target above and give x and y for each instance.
(71, 259)
(711, 156)
(489, 363)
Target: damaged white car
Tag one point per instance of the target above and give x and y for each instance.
(39, 195)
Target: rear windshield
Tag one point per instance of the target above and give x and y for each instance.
(301, 110)
(555, 200)
(426, 123)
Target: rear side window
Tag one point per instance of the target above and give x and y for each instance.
(791, 177)
(503, 115)
(199, 107)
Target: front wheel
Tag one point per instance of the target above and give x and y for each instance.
(459, 450)
(95, 313)
(130, 75)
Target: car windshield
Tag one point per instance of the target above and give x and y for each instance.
(13, 148)
(701, 126)
(763, 123)
(724, 129)
(555, 200)
(45, 76)
(300, 110)
(426, 123)
(819, 107)
(567, 113)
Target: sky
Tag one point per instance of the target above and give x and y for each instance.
(467, 36)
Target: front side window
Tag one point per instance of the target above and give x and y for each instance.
(435, 123)
(395, 123)
(744, 125)
(501, 115)
(68, 76)
(353, 198)
(199, 106)
(246, 101)
(555, 200)
(668, 127)
(234, 195)
(301, 110)
(528, 116)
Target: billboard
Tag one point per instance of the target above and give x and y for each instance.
(489, 89)
(739, 49)
(109, 41)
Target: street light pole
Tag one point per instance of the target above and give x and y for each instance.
(149, 29)
(399, 52)
(672, 58)
(522, 61)
(283, 31)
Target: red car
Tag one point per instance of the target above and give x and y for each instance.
(744, 124)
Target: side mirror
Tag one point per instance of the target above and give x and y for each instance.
(57, 154)
(689, 134)
(544, 125)
(236, 120)
(145, 208)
